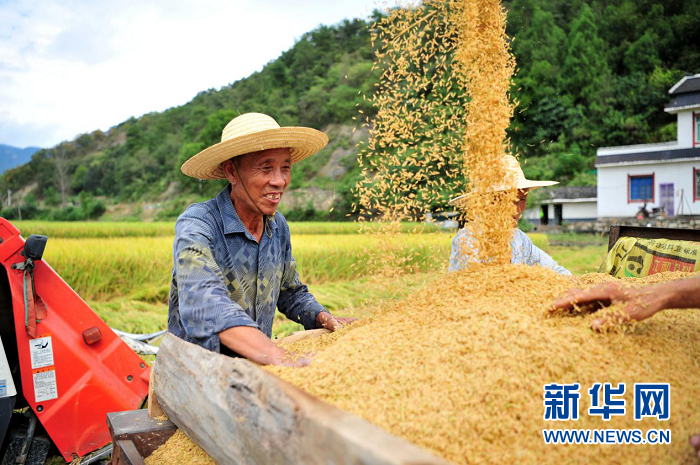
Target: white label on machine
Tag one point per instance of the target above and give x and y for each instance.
(7, 386)
(45, 386)
(41, 350)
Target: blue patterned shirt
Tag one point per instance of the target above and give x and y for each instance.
(523, 251)
(223, 278)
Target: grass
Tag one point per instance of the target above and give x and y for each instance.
(97, 230)
(139, 268)
(115, 229)
(123, 269)
(579, 260)
(577, 239)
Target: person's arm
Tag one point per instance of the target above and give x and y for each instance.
(640, 302)
(204, 304)
(255, 346)
(537, 256)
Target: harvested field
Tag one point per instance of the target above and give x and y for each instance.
(459, 369)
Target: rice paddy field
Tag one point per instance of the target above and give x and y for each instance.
(123, 269)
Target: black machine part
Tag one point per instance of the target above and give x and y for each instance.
(36, 451)
(6, 406)
(34, 247)
(9, 338)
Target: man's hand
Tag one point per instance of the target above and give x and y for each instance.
(638, 303)
(252, 344)
(289, 359)
(695, 442)
(332, 323)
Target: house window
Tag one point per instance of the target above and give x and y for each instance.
(697, 128)
(641, 188)
(696, 184)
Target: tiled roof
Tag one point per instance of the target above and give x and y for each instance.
(686, 85)
(660, 155)
(684, 100)
(571, 192)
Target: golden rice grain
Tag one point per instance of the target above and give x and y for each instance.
(443, 108)
(459, 369)
(179, 449)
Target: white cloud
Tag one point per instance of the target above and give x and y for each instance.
(76, 66)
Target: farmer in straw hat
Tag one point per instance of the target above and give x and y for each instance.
(232, 256)
(523, 251)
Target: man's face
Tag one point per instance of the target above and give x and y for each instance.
(266, 175)
(521, 203)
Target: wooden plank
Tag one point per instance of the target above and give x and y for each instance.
(300, 335)
(125, 453)
(146, 433)
(239, 413)
(677, 234)
(661, 233)
(154, 409)
(614, 236)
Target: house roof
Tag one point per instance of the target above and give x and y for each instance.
(658, 155)
(686, 94)
(571, 192)
(686, 85)
(684, 100)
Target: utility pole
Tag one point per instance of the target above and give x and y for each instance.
(9, 198)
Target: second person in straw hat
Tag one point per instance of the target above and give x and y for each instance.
(523, 251)
(232, 255)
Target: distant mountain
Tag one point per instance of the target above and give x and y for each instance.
(11, 157)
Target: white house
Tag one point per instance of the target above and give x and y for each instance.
(665, 175)
(567, 204)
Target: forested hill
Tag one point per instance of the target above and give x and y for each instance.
(591, 73)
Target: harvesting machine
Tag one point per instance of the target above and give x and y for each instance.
(62, 369)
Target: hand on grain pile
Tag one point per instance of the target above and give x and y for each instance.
(290, 359)
(637, 303)
(695, 442)
(333, 323)
(252, 344)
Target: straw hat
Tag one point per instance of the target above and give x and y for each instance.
(521, 182)
(252, 132)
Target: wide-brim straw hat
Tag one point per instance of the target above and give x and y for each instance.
(520, 181)
(252, 132)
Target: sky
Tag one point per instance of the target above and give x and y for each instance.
(71, 67)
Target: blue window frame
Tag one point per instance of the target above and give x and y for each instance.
(641, 188)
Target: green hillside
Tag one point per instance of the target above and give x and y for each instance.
(591, 73)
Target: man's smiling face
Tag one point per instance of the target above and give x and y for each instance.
(264, 175)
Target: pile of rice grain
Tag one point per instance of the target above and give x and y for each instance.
(459, 369)
(179, 449)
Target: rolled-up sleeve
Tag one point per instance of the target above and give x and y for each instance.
(205, 306)
(295, 301)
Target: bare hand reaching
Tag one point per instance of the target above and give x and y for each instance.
(332, 323)
(638, 303)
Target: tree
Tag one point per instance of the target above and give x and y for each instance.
(537, 46)
(585, 70)
(59, 158)
(586, 80)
